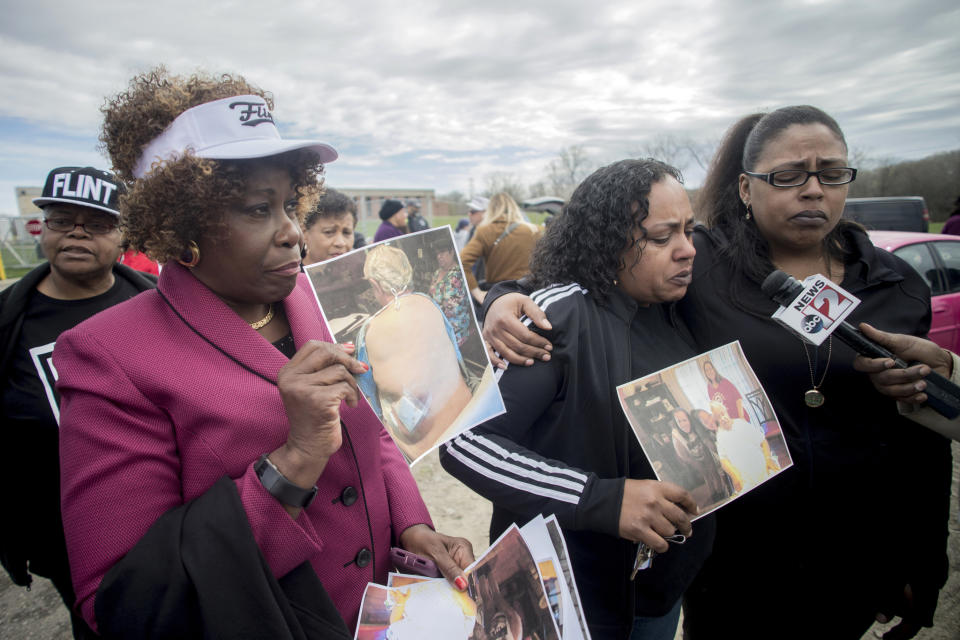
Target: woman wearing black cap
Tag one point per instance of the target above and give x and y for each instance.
(394, 216)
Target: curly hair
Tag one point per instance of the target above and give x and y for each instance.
(331, 203)
(718, 202)
(180, 201)
(585, 242)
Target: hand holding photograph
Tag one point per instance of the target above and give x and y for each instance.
(707, 425)
(403, 303)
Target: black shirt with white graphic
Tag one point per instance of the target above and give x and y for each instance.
(28, 392)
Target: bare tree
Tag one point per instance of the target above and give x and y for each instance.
(538, 189)
(504, 182)
(678, 151)
(935, 177)
(567, 170)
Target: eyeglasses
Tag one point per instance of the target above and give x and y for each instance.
(833, 177)
(66, 225)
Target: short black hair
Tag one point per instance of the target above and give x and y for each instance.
(331, 203)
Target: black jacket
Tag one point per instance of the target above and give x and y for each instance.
(815, 543)
(198, 573)
(564, 446)
(38, 542)
(15, 299)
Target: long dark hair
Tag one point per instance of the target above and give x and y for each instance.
(584, 243)
(690, 436)
(719, 204)
(717, 375)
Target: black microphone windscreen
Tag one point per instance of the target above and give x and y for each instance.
(781, 287)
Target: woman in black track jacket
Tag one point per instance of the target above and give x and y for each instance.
(605, 273)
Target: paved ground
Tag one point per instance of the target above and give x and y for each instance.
(40, 615)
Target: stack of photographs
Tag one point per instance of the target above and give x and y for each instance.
(522, 587)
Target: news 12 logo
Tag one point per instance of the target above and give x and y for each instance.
(817, 310)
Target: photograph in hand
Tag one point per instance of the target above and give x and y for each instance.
(403, 303)
(707, 425)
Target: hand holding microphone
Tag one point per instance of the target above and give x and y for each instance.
(942, 395)
(906, 385)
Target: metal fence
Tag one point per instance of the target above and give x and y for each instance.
(20, 249)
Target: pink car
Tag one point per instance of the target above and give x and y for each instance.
(936, 258)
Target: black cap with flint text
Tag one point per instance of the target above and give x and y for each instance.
(82, 186)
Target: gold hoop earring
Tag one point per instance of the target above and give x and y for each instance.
(190, 256)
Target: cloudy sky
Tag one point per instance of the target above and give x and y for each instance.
(443, 93)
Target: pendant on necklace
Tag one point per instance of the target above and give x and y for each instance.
(813, 398)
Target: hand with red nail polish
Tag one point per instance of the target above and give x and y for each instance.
(451, 555)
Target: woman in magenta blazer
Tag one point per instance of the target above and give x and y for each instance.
(227, 368)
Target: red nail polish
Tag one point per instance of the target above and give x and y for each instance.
(365, 366)
(461, 583)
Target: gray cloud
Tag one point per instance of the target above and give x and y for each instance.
(453, 83)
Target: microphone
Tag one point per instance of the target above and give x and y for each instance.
(942, 395)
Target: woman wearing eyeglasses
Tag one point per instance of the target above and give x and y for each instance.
(217, 457)
(857, 527)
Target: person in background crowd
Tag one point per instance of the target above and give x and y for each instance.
(504, 241)
(773, 199)
(82, 241)
(359, 240)
(328, 229)
(460, 233)
(476, 209)
(201, 420)
(394, 221)
(139, 261)
(607, 272)
(415, 221)
(952, 225)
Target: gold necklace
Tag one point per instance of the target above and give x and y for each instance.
(813, 398)
(264, 321)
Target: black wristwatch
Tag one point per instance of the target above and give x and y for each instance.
(279, 487)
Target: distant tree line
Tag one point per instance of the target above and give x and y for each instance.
(936, 178)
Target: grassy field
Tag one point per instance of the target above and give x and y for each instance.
(27, 252)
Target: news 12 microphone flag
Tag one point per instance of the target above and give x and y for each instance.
(818, 310)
